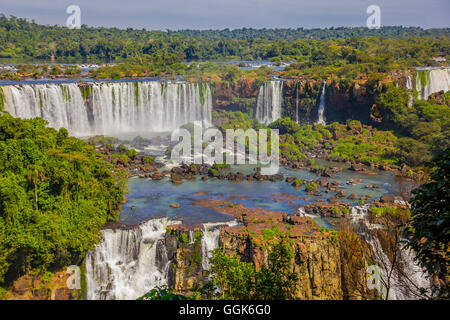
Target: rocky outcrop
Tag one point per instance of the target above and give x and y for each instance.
(184, 249)
(320, 264)
(40, 287)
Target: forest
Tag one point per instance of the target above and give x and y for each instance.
(23, 39)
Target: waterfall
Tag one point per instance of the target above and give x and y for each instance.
(128, 263)
(210, 239)
(111, 108)
(432, 80)
(269, 102)
(409, 86)
(321, 118)
(402, 286)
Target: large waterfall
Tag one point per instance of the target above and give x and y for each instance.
(432, 80)
(111, 107)
(128, 263)
(269, 102)
(321, 117)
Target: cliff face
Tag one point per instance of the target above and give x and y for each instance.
(345, 99)
(330, 265)
(320, 264)
(240, 96)
(184, 249)
(38, 287)
(301, 99)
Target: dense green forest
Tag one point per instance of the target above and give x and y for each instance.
(55, 195)
(22, 39)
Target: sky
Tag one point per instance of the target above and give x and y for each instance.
(220, 14)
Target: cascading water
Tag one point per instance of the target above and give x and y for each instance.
(269, 102)
(111, 108)
(210, 239)
(409, 86)
(432, 80)
(321, 117)
(403, 285)
(128, 263)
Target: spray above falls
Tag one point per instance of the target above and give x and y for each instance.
(111, 108)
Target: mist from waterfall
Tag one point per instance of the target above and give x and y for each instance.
(321, 117)
(111, 107)
(269, 102)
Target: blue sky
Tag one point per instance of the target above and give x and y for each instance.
(219, 14)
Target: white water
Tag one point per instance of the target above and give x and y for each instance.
(437, 79)
(269, 102)
(409, 86)
(115, 108)
(210, 240)
(321, 117)
(129, 263)
(124, 265)
(401, 286)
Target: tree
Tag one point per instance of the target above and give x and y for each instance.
(429, 234)
(238, 280)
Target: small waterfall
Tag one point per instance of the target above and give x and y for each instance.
(112, 108)
(409, 86)
(269, 102)
(432, 80)
(128, 263)
(210, 239)
(321, 117)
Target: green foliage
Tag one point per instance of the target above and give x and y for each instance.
(310, 187)
(425, 126)
(149, 159)
(131, 153)
(238, 280)
(233, 120)
(378, 212)
(429, 234)
(285, 126)
(342, 47)
(183, 238)
(163, 293)
(55, 195)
